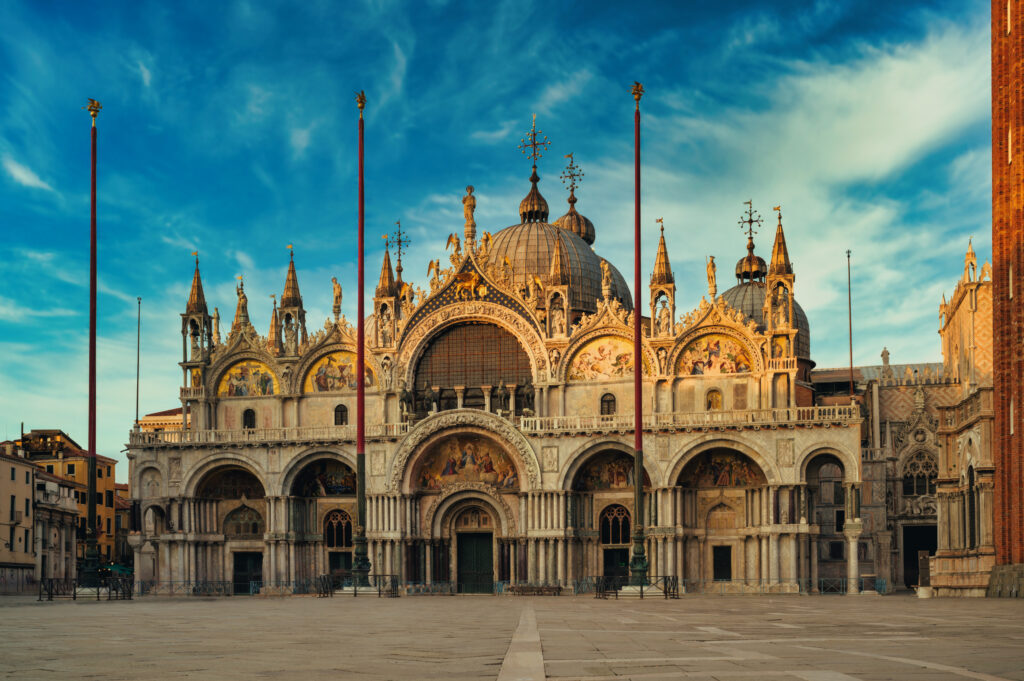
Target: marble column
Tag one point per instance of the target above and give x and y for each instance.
(852, 532)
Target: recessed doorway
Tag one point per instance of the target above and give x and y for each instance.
(248, 568)
(475, 555)
(721, 563)
(917, 538)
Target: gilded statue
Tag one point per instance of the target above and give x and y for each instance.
(712, 282)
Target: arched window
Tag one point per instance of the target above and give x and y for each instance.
(919, 474)
(243, 523)
(341, 415)
(607, 404)
(713, 400)
(338, 530)
(248, 419)
(615, 525)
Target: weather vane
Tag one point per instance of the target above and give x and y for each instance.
(749, 219)
(361, 102)
(94, 109)
(572, 174)
(536, 147)
(661, 224)
(637, 91)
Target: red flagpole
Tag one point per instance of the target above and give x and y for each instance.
(361, 561)
(91, 565)
(638, 563)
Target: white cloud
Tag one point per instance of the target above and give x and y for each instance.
(12, 311)
(145, 73)
(496, 135)
(299, 140)
(24, 175)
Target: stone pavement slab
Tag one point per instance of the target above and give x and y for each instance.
(740, 638)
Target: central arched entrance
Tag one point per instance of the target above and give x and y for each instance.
(473, 535)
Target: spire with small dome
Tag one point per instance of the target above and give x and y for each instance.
(573, 221)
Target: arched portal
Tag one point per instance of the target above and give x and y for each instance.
(723, 501)
(472, 550)
(234, 498)
(322, 500)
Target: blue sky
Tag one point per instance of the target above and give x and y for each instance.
(230, 128)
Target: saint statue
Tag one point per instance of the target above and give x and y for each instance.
(291, 338)
(664, 319)
(216, 326)
(468, 206)
(606, 279)
(385, 326)
(712, 283)
(885, 356)
(337, 297)
(557, 322)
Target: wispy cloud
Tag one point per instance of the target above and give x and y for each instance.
(145, 74)
(12, 311)
(24, 175)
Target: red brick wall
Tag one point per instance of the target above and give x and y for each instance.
(1007, 247)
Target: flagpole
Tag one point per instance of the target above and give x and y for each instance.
(638, 563)
(89, 576)
(138, 353)
(849, 312)
(361, 560)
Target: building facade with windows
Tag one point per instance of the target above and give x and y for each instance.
(17, 556)
(56, 525)
(499, 426)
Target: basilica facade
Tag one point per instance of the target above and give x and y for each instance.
(499, 412)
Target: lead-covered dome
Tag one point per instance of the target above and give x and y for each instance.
(748, 298)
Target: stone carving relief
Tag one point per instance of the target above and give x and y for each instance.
(549, 459)
(492, 495)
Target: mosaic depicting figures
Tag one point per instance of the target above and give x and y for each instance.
(248, 379)
(607, 471)
(713, 355)
(466, 459)
(325, 478)
(335, 372)
(721, 469)
(607, 357)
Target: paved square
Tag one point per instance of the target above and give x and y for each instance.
(825, 638)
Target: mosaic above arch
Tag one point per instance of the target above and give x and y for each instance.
(607, 471)
(325, 478)
(248, 378)
(713, 355)
(722, 469)
(602, 358)
(336, 372)
(466, 458)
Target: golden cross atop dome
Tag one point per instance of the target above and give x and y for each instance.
(572, 174)
(750, 218)
(535, 145)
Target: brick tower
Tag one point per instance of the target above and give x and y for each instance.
(1008, 317)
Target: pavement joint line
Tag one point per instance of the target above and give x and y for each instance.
(959, 671)
(524, 660)
(822, 675)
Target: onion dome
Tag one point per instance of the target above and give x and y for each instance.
(578, 224)
(748, 298)
(533, 208)
(751, 267)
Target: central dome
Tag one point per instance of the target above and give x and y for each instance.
(530, 248)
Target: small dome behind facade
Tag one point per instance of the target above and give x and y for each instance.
(751, 267)
(748, 298)
(578, 224)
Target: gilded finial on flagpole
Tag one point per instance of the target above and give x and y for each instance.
(94, 109)
(638, 92)
(361, 102)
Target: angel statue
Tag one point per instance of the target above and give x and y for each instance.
(434, 272)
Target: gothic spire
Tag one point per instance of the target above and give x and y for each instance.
(780, 254)
(196, 299)
(386, 285)
(559, 271)
(274, 336)
(291, 296)
(662, 269)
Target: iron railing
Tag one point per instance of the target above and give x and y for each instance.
(386, 586)
(665, 586)
(58, 587)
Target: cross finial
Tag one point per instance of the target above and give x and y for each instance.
(750, 218)
(572, 174)
(401, 241)
(535, 145)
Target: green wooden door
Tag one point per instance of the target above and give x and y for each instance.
(248, 568)
(476, 562)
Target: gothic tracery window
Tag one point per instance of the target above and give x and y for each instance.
(919, 474)
(243, 523)
(615, 525)
(338, 530)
